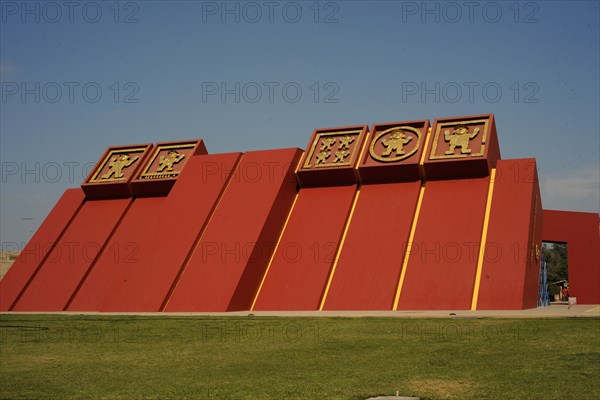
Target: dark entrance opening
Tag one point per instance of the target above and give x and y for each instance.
(555, 255)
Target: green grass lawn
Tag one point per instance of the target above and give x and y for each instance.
(131, 357)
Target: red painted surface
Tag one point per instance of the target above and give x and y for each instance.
(580, 231)
(230, 260)
(40, 245)
(509, 277)
(155, 237)
(73, 255)
(303, 259)
(122, 256)
(370, 263)
(443, 261)
(180, 219)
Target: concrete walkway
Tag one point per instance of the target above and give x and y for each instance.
(552, 311)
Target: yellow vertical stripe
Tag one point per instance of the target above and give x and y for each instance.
(339, 250)
(411, 237)
(279, 238)
(274, 251)
(484, 231)
(415, 221)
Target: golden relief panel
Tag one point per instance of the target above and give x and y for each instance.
(459, 139)
(167, 161)
(118, 165)
(395, 144)
(333, 149)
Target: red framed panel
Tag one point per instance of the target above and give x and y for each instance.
(462, 147)
(164, 164)
(111, 176)
(393, 152)
(331, 156)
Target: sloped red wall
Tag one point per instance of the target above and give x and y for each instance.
(39, 247)
(302, 262)
(122, 256)
(162, 231)
(370, 262)
(442, 264)
(73, 256)
(229, 262)
(510, 265)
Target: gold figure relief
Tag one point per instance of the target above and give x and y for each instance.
(332, 149)
(327, 143)
(322, 157)
(395, 143)
(116, 166)
(389, 145)
(462, 138)
(165, 159)
(340, 155)
(173, 157)
(345, 142)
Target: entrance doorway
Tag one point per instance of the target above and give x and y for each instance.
(555, 256)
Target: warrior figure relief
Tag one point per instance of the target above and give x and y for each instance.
(395, 143)
(322, 157)
(345, 142)
(340, 155)
(173, 157)
(327, 143)
(459, 138)
(117, 165)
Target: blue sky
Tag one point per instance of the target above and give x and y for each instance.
(77, 77)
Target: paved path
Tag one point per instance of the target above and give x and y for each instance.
(553, 311)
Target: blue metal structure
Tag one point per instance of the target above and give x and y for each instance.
(543, 297)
